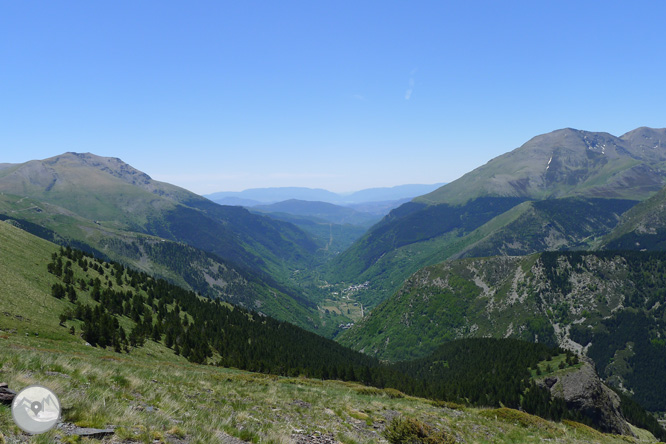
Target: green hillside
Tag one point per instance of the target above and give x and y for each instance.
(34, 269)
(606, 305)
(105, 206)
(112, 194)
(149, 392)
(641, 228)
(577, 184)
(550, 225)
(152, 399)
(176, 262)
(397, 247)
(565, 163)
(410, 237)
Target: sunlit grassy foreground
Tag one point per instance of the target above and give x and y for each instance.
(152, 397)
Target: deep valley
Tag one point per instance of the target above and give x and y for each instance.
(470, 313)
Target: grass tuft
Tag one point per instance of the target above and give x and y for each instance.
(583, 429)
(517, 417)
(408, 430)
(447, 404)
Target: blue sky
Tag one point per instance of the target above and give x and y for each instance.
(224, 96)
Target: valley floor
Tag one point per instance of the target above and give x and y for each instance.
(152, 396)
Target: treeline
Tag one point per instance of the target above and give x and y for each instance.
(483, 372)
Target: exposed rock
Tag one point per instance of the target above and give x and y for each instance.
(93, 433)
(315, 438)
(583, 391)
(62, 375)
(225, 438)
(6, 395)
(85, 432)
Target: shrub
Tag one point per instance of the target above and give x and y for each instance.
(517, 417)
(448, 405)
(393, 393)
(412, 431)
(583, 429)
(370, 391)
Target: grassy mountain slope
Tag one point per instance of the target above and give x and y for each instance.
(604, 304)
(157, 399)
(578, 182)
(115, 195)
(152, 394)
(104, 205)
(403, 243)
(180, 263)
(550, 225)
(565, 163)
(641, 228)
(33, 267)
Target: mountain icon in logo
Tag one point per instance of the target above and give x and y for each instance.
(36, 409)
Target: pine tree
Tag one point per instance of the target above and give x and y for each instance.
(58, 291)
(71, 294)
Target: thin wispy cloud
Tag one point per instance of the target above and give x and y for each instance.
(410, 87)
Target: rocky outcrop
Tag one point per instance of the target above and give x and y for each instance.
(85, 432)
(6, 395)
(583, 391)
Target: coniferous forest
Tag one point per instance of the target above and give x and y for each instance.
(124, 308)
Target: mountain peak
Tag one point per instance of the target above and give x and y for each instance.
(567, 162)
(110, 165)
(95, 186)
(648, 143)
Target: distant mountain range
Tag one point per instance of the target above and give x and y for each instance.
(320, 210)
(333, 220)
(256, 196)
